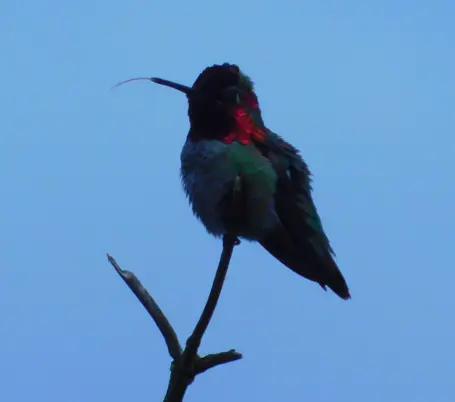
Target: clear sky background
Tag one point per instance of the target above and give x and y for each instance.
(366, 90)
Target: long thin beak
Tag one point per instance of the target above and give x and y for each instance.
(188, 91)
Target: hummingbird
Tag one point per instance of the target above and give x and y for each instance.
(227, 139)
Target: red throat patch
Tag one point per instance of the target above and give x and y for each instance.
(246, 130)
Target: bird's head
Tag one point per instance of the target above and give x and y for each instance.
(215, 98)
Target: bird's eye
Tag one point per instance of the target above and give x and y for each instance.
(231, 95)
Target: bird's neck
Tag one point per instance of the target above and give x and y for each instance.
(246, 128)
(243, 124)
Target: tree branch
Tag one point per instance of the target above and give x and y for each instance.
(213, 360)
(184, 371)
(194, 341)
(186, 364)
(163, 324)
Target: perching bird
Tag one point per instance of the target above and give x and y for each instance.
(228, 139)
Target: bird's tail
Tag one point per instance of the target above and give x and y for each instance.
(335, 281)
(320, 269)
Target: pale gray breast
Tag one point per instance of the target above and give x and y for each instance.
(205, 181)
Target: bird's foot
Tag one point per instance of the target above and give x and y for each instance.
(230, 239)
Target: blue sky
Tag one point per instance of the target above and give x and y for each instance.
(366, 90)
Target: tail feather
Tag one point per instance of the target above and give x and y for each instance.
(309, 265)
(336, 281)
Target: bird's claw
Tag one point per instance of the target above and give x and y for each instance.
(229, 239)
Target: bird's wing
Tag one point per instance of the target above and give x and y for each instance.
(300, 243)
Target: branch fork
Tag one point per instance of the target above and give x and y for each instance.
(186, 363)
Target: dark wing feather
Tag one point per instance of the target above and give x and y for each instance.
(301, 243)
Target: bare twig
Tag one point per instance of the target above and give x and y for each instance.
(163, 324)
(213, 360)
(194, 341)
(184, 371)
(187, 364)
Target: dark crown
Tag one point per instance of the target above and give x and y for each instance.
(219, 76)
